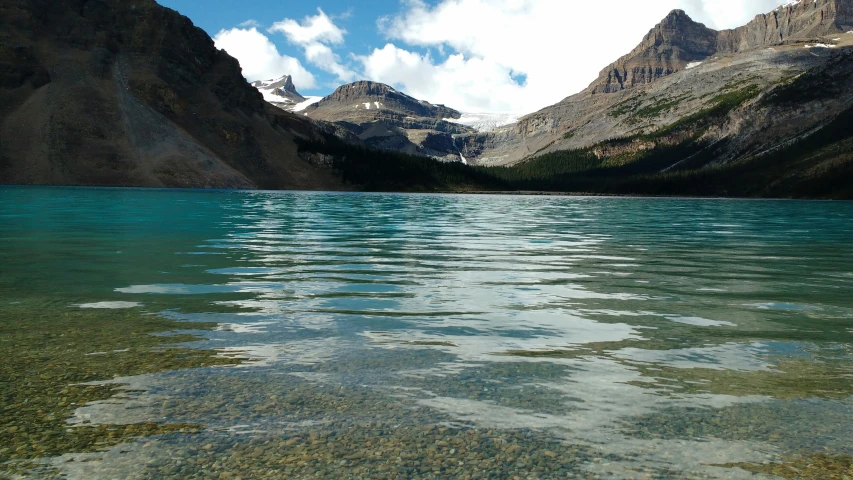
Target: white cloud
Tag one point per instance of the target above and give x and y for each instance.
(560, 46)
(249, 24)
(314, 35)
(259, 57)
(473, 84)
(721, 14)
(319, 28)
(323, 57)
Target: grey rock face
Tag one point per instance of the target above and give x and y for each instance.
(678, 40)
(667, 48)
(805, 20)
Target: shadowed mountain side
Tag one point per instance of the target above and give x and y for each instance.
(109, 92)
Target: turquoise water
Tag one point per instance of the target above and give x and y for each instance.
(439, 336)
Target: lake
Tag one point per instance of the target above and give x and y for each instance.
(216, 334)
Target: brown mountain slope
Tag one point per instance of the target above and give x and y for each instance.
(126, 92)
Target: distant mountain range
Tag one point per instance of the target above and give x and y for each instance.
(386, 119)
(130, 93)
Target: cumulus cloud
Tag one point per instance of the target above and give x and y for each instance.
(558, 47)
(473, 84)
(722, 14)
(319, 28)
(259, 57)
(314, 35)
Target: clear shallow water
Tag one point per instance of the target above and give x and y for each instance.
(443, 336)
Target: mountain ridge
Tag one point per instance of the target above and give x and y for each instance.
(108, 92)
(354, 95)
(678, 40)
(387, 119)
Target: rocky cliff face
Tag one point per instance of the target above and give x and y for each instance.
(387, 119)
(667, 48)
(678, 41)
(126, 92)
(799, 20)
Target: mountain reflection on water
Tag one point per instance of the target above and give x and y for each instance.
(443, 336)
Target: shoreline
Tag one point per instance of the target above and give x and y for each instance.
(520, 193)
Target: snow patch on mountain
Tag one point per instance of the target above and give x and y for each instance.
(307, 103)
(271, 95)
(485, 122)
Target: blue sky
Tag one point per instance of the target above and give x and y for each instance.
(357, 17)
(513, 56)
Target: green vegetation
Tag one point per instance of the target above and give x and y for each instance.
(653, 111)
(627, 106)
(381, 170)
(632, 107)
(718, 106)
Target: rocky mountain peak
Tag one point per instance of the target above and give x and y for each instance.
(678, 40)
(676, 16)
(673, 43)
(366, 90)
(284, 83)
(363, 88)
(280, 92)
(288, 84)
(377, 97)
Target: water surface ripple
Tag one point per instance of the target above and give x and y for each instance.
(444, 336)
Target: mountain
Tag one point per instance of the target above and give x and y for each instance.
(126, 92)
(280, 92)
(673, 44)
(386, 119)
(678, 41)
(691, 100)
